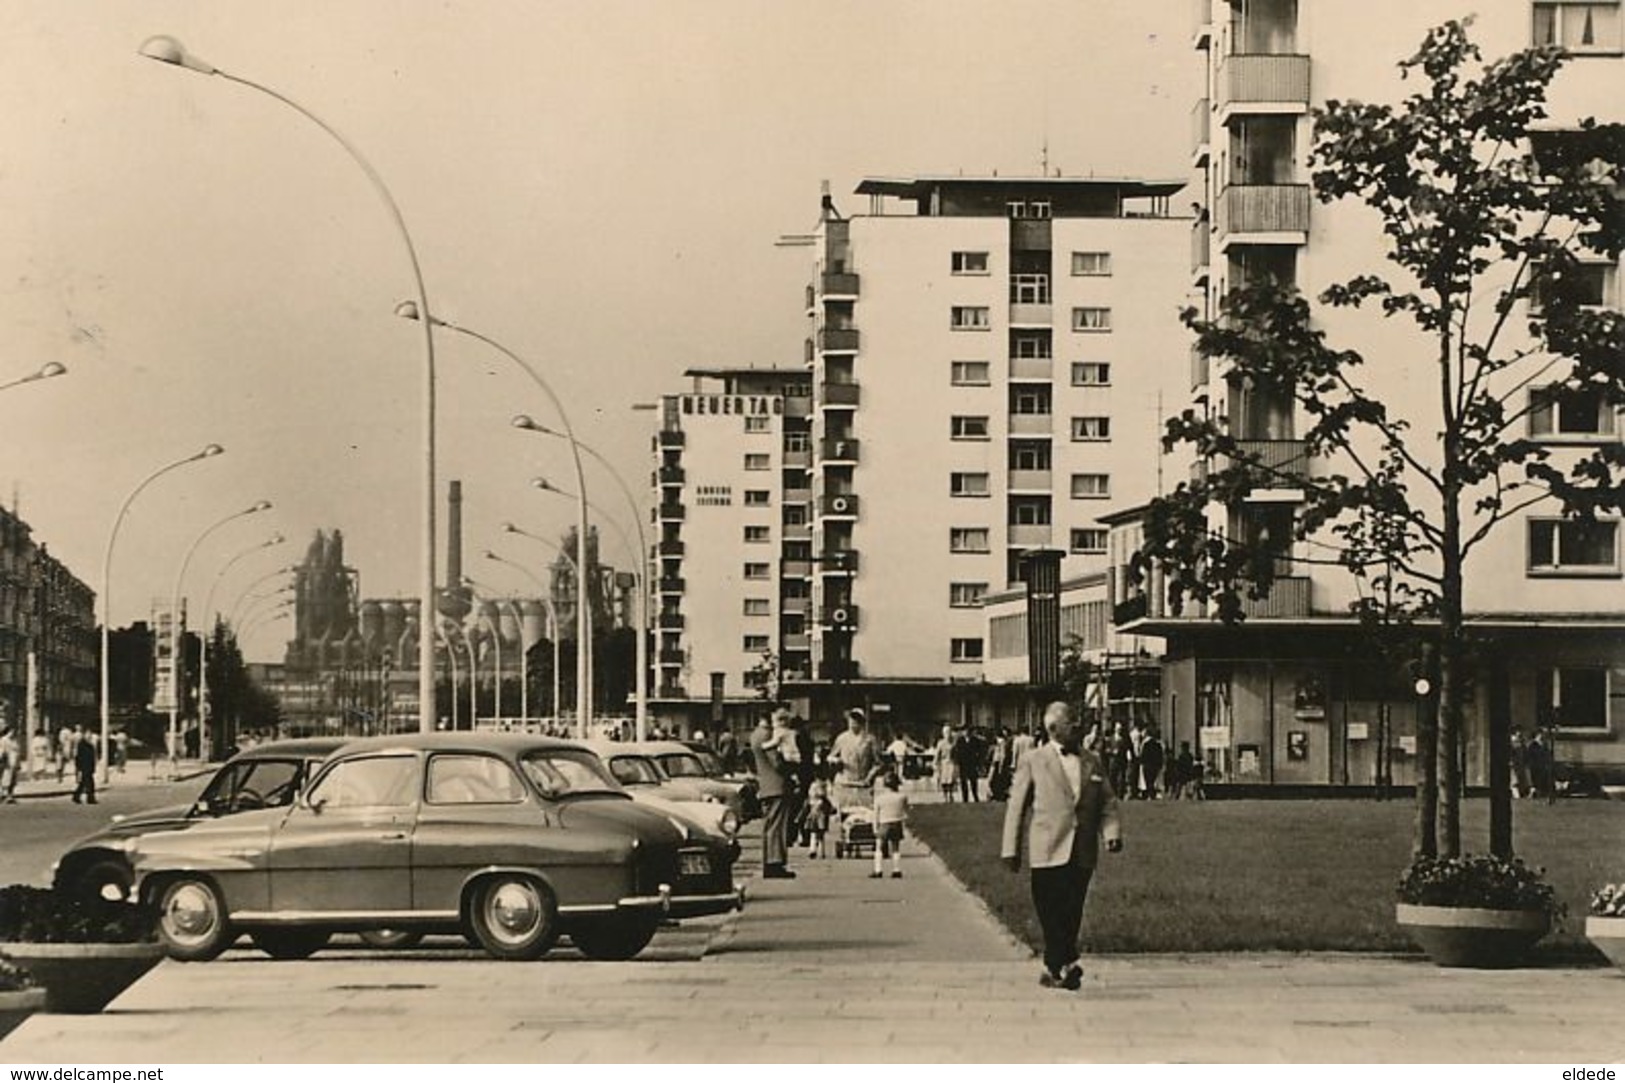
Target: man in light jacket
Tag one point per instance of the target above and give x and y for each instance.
(1061, 789)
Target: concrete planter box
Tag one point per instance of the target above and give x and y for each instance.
(80, 979)
(1608, 934)
(1470, 937)
(17, 1006)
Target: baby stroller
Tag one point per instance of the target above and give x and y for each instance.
(857, 836)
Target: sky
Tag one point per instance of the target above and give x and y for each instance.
(597, 184)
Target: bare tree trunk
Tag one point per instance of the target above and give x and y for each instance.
(1450, 680)
(1500, 712)
(1426, 834)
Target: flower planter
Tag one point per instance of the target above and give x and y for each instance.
(1472, 937)
(1608, 934)
(17, 1005)
(80, 979)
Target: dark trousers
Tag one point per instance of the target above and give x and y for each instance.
(969, 786)
(775, 830)
(1058, 895)
(86, 787)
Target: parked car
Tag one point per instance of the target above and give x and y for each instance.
(683, 765)
(509, 839)
(265, 776)
(750, 802)
(645, 781)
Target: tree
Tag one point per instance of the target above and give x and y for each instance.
(1488, 223)
(764, 676)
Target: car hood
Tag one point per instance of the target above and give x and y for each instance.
(117, 831)
(623, 817)
(704, 816)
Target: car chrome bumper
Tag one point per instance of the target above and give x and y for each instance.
(685, 906)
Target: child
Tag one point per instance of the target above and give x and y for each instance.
(819, 811)
(891, 813)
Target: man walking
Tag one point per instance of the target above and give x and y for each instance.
(1062, 788)
(84, 766)
(774, 791)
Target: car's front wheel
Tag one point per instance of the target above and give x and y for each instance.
(391, 939)
(289, 943)
(614, 938)
(514, 917)
(192, 921)
(103, 879)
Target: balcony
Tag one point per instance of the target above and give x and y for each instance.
(1031, 481)
(1201, 129)
(672, 512)
(1030, 234)
(1032, 368)
(1031, 535)
(672, 691)
(1032, 424)
(1201, 249)
(1288, 459)
(795, 569)
(839, 615)
(795, 641)
(798, 496)
(1288, 598)
(801, 456)
(838, 450)
(671, 475)
(839, 505)
(1031, 315)
(838, 339)
(1202, 24)
(669, 657)
(1199, 369)
(1265, 83)
(840, 286)
(671, 548)
(670, 622)
(1129, 610)
(1278, 212)
(837, 669)
(672, 438)
(670, 584)
(838, 562)
(839, 394)
(1199, 471)
(798, 406)
(797, 531)
(795, 606)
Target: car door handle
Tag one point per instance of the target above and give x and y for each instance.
(392, 836)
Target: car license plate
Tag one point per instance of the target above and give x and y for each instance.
(694, 864)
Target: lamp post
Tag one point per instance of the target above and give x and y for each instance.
(421, 312)
(641, 570)
(177, 628)
(170, 51)
(248, 599)
(44, 372)
(524, 661)
(209, 451)
(451, 660)
(496, 649)
(552, 614)
(208, 634)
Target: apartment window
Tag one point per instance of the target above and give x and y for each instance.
(797, 441)
(757, 460)
(1029, 511)
(1029, 289)
(1029, 208)
(1556, 411)
(757, 644)
(1579, 28)
(1031, 344)
(1573, 547)
(1572, 697)
(1091, 319)
(970, 318)
(1092, 264)
(713, 495)
(756, 570)
(966, 595)
(1091, 428)
(1091, 486)
(1590, 284)
(758, 424)
(757, 534)
(1089, 539)
(1091, 374)
(968, 539)
(965, 650)
(968, 427)
(758, 607)
(1029, 399)
(795, 515)
(967, 484)
(758, 498)
(1030, 456)
(971, 373)
(970, 263)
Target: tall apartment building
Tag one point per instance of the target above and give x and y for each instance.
(734, 548)
(1291, 697)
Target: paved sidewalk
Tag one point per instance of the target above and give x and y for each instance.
(132, 774)
(834, 966)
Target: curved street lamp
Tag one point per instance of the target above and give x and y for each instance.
(177, 628)
(421, 312)
(552, 612)
(524, 653)
(451, 659)
(44, 372)
(208, 634)
(209, 451)
(168, 50)
(246, 602)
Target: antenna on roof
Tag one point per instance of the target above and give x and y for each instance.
(1043, 158)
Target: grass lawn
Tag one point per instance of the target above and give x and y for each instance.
(1274, 875)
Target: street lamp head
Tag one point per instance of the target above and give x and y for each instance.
(50, 369)
(210, 451)
(492, 556)
(525, 421)
(274, 539)
(263, 505)
(168, 50)
(509, 528)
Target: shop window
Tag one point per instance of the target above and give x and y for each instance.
(1572, 697)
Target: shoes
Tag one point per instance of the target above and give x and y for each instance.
(1049, 979)
(1073, 978)
(897, 875)
(777, 872)
(875, 875)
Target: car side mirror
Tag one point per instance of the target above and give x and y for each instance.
(315, 806)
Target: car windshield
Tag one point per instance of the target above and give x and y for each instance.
(635, 771)
(682, 765)
(558, 773)
(711, 764)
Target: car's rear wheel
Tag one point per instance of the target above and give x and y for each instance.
(614, 938)
(192, 921)
(103, 879)
(289, 943)
(514, 917)
(391, 939)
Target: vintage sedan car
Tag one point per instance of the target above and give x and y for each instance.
(646, 782)
(265, 776)
(509, 839)
(750, 802)
(682, 765)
